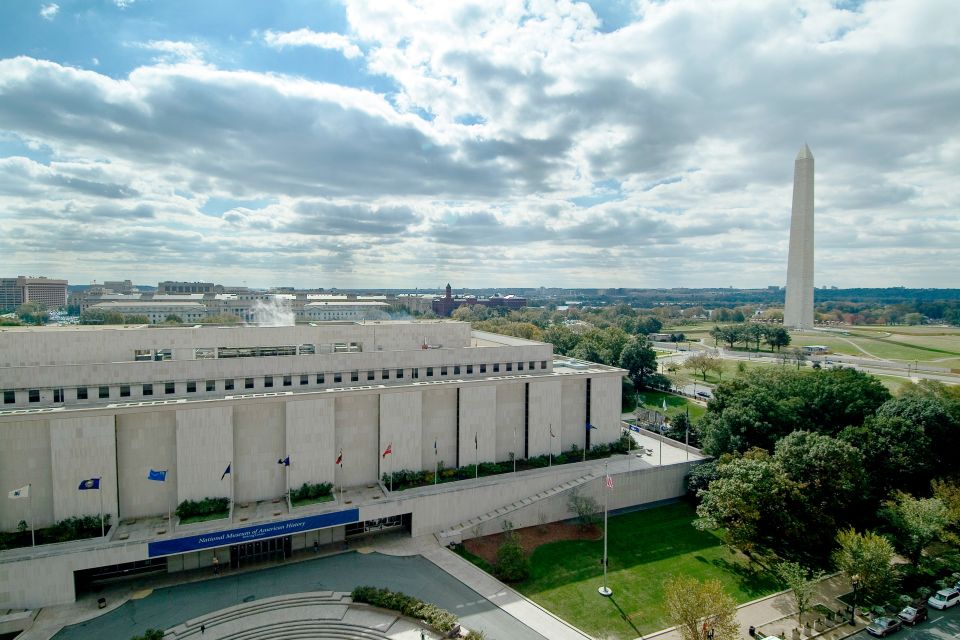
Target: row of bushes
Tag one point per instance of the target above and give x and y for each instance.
(205, 507)
(438, 618)
(75, 528)
(408, 478)
(309, 491)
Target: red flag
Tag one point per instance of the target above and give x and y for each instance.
(388, 450)
(609, 482)
(339, 457)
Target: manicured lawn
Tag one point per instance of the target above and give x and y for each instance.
(645, 548)
(204, 517)
(653, 400)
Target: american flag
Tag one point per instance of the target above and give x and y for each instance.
(609, 482)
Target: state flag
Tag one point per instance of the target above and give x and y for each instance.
(590, 426)
(284, 461)
(339, 457)
(22, 492)
(159, 476)
(92, 483)
(388, 450)
(226, 471)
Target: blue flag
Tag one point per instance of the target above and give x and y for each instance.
(159, 476)
(590, 426)
(284, 461)
(92, 483)
(226, 471)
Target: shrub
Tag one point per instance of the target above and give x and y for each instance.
(512, 563)
(309, 491)
(409, 606)
(207, 506)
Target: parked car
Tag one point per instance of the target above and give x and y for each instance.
(882, 627)
(913, 615)
(944, 599)
(703, 394)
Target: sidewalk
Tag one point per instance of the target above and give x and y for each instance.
(769, 614)
(497, 593)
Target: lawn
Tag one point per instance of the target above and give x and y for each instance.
(653, 400)
(645, 548)
(203, 517)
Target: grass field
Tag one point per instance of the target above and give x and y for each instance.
(653, 400)
(645, 548)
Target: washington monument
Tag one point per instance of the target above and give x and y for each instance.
(798, 311)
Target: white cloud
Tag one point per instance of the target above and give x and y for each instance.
(49, 11)
(123, 4)
(308, 38)
(174, 51)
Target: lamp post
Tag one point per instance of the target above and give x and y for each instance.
(853, 610)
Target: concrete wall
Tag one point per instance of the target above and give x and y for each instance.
(83, 448)
(25, 459)
(401, 416)
(545, 414)
(605, 408)
(439, 424)
(146, 441)
(573, 402)
(311, 439)
(204, 449)
(259, 440)
(510, 410)
(477, 424)
(358, 420)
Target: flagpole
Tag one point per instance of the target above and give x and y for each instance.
(605, 590)
(33, 538)
(514, 448)
(391, 467)
(476, 457)
(551, 445)
(585, 435)
(100, 489)
(686, 437)
(436, 463)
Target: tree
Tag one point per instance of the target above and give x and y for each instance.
(754, 332)
(802, 583)
(898, 453)
(777, 337)
(173, 319)
(150, 634)
(702, 363)
(585, 507)
(917, 521)
(562, 338)
(512, 563)
(948, 492)
(32, 313)
(867, 558)
(639, 359)
(696, 607)
(221, 318)
(933, 413)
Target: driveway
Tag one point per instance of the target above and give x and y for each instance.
(942, 625)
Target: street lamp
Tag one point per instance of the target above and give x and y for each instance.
(853, 611)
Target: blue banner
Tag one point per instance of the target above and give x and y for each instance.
(249, 534)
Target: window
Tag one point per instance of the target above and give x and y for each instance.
(163, 354)
(248, 383)
(304, 379)
(483, 368)
(228, 384)
(147, 391)
(531, 365)
(509, 366)
(443, 371)
(519, 366)
(370, 375)
(287, 381)
(169, 388)
(399, 374)
(211, 385)
(456, 370)
(496, 367)
(385, 374)
(58, 395)
(142, 355)
(337, 377)
(268, 381)
(33, 395)
(204, 353)
(429, 372)
(192, 386)
(9, 396)
(543, 364)
(469, 369)
(319, 378)
(103, 392)
(354, 376)
(124, 391)
(415, 373)
(308, 349)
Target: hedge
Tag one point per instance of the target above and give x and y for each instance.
(438, 618)
(207, 506)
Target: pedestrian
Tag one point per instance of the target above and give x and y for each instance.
(316, 546)
(203, 628)
(216, 565)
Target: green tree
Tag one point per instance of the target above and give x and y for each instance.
(917, 522)
(754, 333)
(221, 318)
(639, 359)
(802, 583)
(512, 563)
(898, 453)
(32, 313)
(173, 319)
(562, 338)
(702, 363)
(866, 557)
(777, 337)
(933, 413)
(697, 608)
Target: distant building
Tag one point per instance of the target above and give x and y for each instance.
(815, 350)
(119, 286)
(444, 306)
(22, 289)
(188, 287)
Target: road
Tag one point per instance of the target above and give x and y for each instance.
(942, 625)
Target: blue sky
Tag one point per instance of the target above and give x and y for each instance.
(402, 144)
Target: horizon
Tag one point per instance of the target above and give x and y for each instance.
(337, 145)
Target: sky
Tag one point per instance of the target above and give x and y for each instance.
(629, 143)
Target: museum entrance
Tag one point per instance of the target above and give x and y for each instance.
(379, 525)
(260, 551)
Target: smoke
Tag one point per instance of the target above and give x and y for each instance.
(275, 312)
